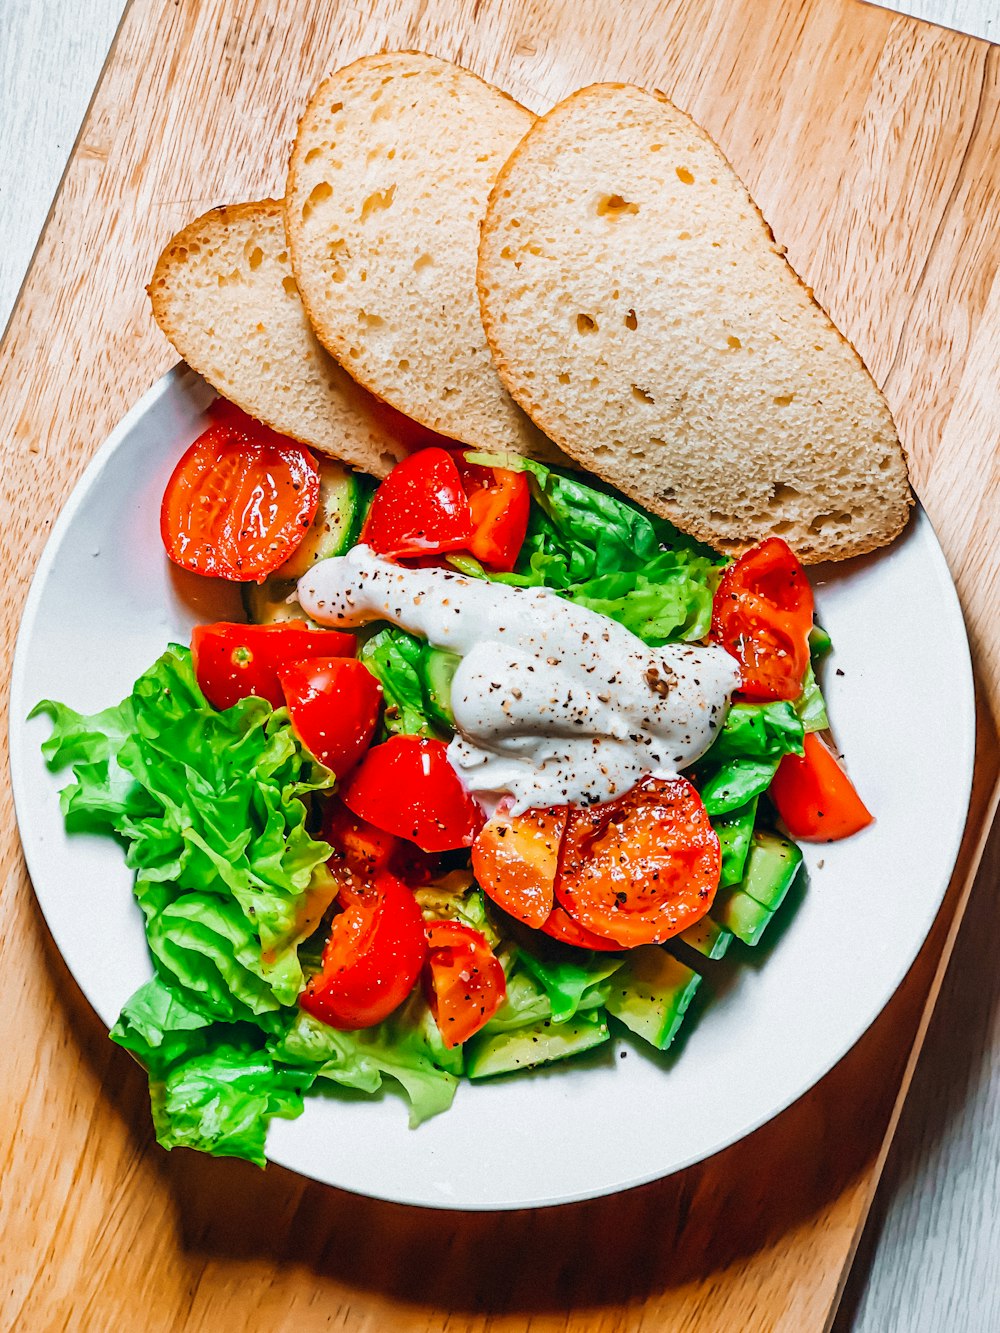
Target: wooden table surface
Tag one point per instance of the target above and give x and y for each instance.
(895, 127)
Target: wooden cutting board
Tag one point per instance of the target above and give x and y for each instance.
(870, 142)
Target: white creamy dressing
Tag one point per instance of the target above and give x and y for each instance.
(553, 703)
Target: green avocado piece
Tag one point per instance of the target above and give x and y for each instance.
(708, 937)
(490, 1053)
(741, 915)
(771, 868)
(651, 992)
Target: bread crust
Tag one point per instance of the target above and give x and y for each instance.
(507, 427)
(526, 392)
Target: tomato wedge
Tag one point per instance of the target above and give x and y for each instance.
(407, 787)
(641, 868)
(234, 661)
(333, 703)
(515, 859)
(762, 615)
(372, 959)
(814, 796)
(420, 508)
(561, 926)
(239, 501)
(359, 848)
(463, 980)
(500, 501)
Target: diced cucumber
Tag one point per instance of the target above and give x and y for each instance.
(650, 994)
(490, 1053)
(338, 519)
(772, 866)
(441, 668)
(735, 828)
(744, 916)
(707, 937)
(267, 603)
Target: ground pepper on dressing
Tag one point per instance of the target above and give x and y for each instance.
(553, 703)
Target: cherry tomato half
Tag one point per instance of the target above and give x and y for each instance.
(463, 980)
(515, 859)
(561, 926)
(333, 703)
(420, 508)
(641, 868)
(762, 615)
(500, 501)
(239, 501)
(372, 959)
(814, 796)
(407, 786)
(234, 661)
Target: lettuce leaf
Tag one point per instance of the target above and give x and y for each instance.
(212, 808)
(571, 984)
(600, 551)
(407, 667)
(745, 755)
(735, 830)
(406, 1048)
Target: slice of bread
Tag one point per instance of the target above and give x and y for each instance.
(640, 310)
(388, 182)
(223, 293)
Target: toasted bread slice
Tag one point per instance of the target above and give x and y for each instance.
(223, 293)
(388, 183)
(640, 310)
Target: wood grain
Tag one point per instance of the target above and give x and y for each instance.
(890, 123)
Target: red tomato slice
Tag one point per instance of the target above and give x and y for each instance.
(814, 796)
(407, 787)
(500, 500)
(333, 703)
(561, 926)
(372, 959)
(641, 868)
(515, 859)
(239, 501)
(359, 848)
(234, 661)
(762, 615)
(420, 508)
(463, 980)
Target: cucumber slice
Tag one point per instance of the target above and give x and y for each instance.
(337, 523)
(490, 1053)
(771, 868)
(707, 937)
(650, 994)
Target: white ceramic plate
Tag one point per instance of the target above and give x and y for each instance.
(104, 603)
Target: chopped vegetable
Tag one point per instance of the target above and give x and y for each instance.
(762, 614)
(239, 501)
(372, 959)
(407, 786)
(233, 662)
(334, 704)
(420, 508)
(815, 798)
(641, 868)
(464, 981)
(515, 859)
